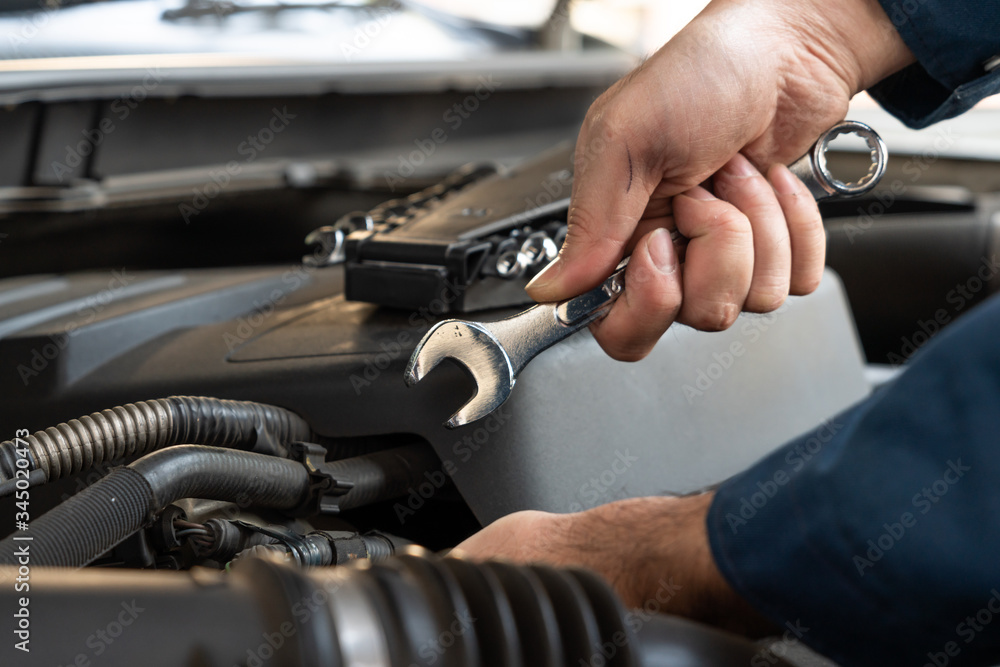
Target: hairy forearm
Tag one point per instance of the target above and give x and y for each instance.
(654, 551)
(657, 547)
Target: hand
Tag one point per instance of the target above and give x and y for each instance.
(745, 88)
(654, 551)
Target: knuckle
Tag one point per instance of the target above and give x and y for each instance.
(806, 284)
(581, 231)
(731, 222)
(808, 229)
(716, 317)
(765, 300)
(655, 294)
(623, 351)
(606, 117)
(624, 343)
(664, 303)
(729, 186)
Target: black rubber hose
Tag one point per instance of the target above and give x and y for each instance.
(671, 641)
(387, 474)
(409, 610)
(138, 428)
(98, 518)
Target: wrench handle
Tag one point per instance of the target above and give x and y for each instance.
(811, 169)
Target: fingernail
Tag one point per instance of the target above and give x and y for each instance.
(698, 192)
(784, 181)
(546, 276)
(661, 251)
(740, 166)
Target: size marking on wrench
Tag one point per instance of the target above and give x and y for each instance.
(494, 353)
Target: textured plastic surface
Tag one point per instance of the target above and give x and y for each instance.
(580, 429)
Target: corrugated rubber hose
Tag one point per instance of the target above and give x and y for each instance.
(117, 506)
(104, 514)
(138, 428)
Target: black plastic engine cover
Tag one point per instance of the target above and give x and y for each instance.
(442, 249)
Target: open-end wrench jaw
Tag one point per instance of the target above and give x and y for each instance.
(494, 353)
(478, 353)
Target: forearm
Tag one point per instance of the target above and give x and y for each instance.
(655, 552)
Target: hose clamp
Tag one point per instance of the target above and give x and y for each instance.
(324, 488)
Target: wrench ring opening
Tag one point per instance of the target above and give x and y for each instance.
(877, 152)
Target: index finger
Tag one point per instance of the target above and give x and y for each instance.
(608, 199)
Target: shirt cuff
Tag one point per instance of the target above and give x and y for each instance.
(957, 47)
(919, 101)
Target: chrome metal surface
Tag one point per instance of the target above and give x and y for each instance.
(538, 249)
(582, 310)
(812, 168)
(511, 264)
(330, 239)
(494, 353)
(329, 242)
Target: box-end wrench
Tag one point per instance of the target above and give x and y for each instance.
(494, 353)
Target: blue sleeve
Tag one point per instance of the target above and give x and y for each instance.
(957, 46)
(877, 535)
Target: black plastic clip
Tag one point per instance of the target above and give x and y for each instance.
(323, 487)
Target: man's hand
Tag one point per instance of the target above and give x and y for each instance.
(654, 551)
(744, 89)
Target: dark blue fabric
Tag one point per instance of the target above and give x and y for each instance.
(880, 531)
(952, 41)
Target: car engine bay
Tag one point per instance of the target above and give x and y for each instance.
(208, 415)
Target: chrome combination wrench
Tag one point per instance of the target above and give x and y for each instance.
(494, 353)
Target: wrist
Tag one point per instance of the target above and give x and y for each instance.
(854, 38)
(655, 552)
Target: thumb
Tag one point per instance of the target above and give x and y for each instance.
(608, 199)
(650, 302)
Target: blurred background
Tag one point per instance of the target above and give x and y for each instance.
(208, 133)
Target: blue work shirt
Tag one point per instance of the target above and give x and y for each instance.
(957, 47)
(879, 532)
